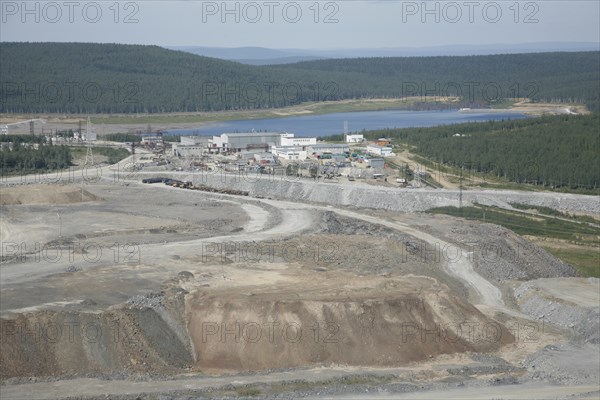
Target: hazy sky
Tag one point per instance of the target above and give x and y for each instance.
(301, 24)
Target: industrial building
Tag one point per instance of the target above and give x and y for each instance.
(236, 142)
(290, 152)
(194, 140)
(355, 138)
(189, 151)
(190, 146)
(288, 139)
(376, 162)
(384, 151)
(321, 148)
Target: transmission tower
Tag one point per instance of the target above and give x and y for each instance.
(89, 136)
(418, 176)
(133, 153)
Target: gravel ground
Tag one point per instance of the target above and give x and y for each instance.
(565, 364)
(583, 323)
(562, 363)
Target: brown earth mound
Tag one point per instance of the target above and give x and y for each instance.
(319, 320)
(70, 343)
(369, 322)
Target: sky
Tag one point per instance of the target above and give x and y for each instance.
(301, 24)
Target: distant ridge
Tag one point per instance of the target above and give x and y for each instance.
(114, 78)
(264, 56)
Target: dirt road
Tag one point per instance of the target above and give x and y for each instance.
(173, 225)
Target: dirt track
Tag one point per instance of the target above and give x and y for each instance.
(193, 275)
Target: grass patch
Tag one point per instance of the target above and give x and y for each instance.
(113, 155)
(523, 224)
(554, 213)
(586, 261)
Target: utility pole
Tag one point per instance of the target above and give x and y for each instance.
(59, 225)
(460, 189)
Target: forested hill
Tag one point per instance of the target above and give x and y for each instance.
(111, 78)
(544, 76)
(558, 151)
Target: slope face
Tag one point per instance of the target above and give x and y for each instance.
(353, 321)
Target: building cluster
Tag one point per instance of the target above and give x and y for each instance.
(281, 144)
(268, 148)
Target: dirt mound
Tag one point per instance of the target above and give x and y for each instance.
(338, 319)
(367, 322)
(44, 194)
(128, 340)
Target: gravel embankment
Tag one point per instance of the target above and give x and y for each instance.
(341, 193)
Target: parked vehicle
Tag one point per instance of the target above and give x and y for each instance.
(153, 180)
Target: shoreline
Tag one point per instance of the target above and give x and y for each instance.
(122, 123)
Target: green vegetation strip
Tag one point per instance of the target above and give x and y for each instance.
(587, 262)
(280, 388)
(555, 213)
(113, 155)
(522, 224)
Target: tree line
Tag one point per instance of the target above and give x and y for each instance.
(27, 159)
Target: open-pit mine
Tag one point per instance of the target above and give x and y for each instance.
(114, 288)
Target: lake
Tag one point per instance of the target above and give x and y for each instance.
(331, 124)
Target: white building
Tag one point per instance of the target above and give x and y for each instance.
(289, 152)
(236, 142)
(147, 140)
(193, 140)
(354, 138)
(322, 148)
(288, 139)
(264, 158)
(384, 151)
(190, 146)
(189, 151)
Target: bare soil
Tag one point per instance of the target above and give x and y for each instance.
(144, 290)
